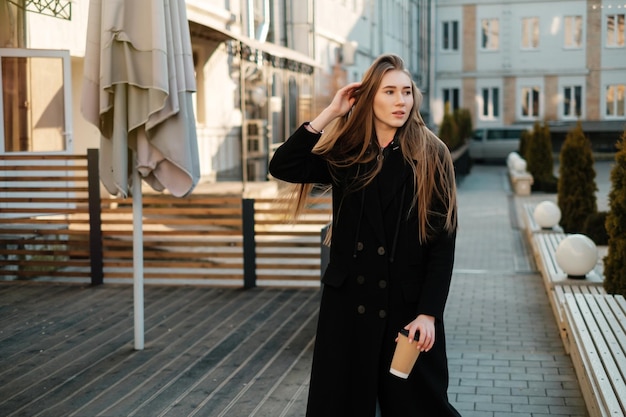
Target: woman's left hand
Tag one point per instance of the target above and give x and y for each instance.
(425, 325)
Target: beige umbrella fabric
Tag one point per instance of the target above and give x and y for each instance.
(138, 56)
(138, 81)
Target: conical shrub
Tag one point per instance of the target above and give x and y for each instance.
(448, 130)
(539, 159)
(524, 140)
(463, 120)
(615, 261)
(577, 188)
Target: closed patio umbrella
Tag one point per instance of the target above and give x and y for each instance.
(137, 87)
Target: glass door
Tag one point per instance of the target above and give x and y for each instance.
(35, 121)
(35, 101)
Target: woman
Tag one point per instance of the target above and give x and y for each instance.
(392, 245)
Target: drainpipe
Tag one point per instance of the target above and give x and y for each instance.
(249, 15)
(244, 131)
(381, 29)
(312, 32)
(279, 30)
(312, 52)
(432, 52)
(373, 23)
(264, 28)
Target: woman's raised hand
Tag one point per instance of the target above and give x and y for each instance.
(344, 99)
(340, 105)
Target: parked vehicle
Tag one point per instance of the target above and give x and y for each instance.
(495, 142)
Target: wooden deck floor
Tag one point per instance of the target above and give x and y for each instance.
(68, 351)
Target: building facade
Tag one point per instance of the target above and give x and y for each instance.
(262, 68)
(518, 62)
(265, 66)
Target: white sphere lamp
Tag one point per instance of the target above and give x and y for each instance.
(519, 165)
(577, 255)
(511, 158)
(547, 214)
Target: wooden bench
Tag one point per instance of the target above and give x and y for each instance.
(597, 335)
(592, 324)
(521, 180)
(544, 248)
(557, 302)
(556, 282)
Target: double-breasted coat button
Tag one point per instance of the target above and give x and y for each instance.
(382, 283)
(360, 309)
(359, 246)
(360, 279)
(381, 250)
(382, 314)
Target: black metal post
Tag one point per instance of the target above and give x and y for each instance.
(95, 220)
(249, 243)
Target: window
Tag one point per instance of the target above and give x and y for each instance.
(572, 101)
(491, 103)
(504, 134)
(35, 101)
(490, 39)
(450, 33)
(573, 32)
(615, 30)
(451, 98)
(616, 100)
(530, 102)
(530, 33)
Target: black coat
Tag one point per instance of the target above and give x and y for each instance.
(378, 280)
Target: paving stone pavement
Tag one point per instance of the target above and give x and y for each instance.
(505, 354)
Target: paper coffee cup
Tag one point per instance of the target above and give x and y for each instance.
(404, 356)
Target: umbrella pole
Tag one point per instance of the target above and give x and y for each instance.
(137, 255)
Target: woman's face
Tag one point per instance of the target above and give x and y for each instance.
(392, 103)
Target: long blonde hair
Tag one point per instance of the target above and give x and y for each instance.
(351, 140)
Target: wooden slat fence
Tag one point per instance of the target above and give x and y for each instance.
(49, 231)
(289, 251)
(185, 239)
(43, 207)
